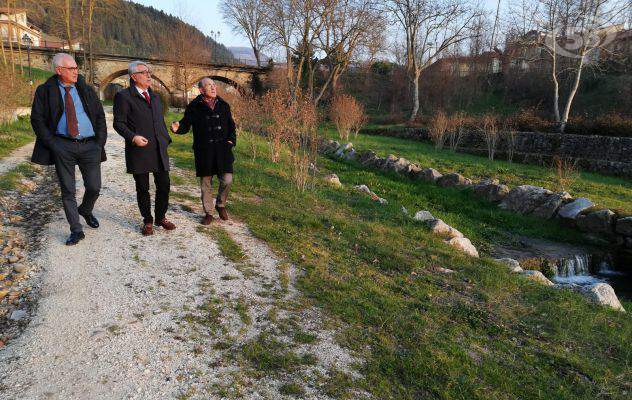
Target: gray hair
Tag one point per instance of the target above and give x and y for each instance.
(133, 66)
(201, 82)
(59, 57)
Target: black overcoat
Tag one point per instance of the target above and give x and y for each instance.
(212, 130)
(134, 116)
(47, 111)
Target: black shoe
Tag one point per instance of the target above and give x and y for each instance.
(74, 238)
(91, 221)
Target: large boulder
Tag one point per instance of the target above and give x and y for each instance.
(387, 164)
(429, 175)
(624, 226)
(366, 157)
(537, 276)
(464, 245)
(453, 180)
(350, 155)
(574, 208)
(511, 264)
(400, 166)
(440, 228)
(333, 179)
(601, 221)
(527, 199)
(343, 149)
(602, 294)
(423, 216)
(491, 190)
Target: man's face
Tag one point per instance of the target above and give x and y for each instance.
(142, 77)
(209, 89)
(67, 71)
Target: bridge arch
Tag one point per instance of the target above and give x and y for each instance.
(241, 89)
(117, 74)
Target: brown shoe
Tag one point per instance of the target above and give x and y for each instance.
(148, 229)
(222, 213)
(208, 218)
(165, 223)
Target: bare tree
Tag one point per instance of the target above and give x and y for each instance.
(247, 17)
(431, 27)
(574, 31)
(348, 24)
(88, 9)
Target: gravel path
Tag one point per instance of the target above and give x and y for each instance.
(122, 316)
(16, 157)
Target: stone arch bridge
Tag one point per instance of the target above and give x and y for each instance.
(245, 78)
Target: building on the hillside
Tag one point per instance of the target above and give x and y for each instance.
(54, 42)
(15, 25)
(489, 62)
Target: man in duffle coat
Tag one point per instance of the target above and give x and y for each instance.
(213, 141)
(69, 123)
(139, 119)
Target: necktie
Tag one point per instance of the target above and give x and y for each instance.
(71, 115)
(147, 97)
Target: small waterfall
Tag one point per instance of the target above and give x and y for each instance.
(578, 265)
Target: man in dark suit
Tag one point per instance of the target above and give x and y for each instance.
(138, 118)
(213, 141)
(69, 124)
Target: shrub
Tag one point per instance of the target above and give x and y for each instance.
(565, 172)
(438, 128)
(456, 127)
(489, 128)
(348, 115)
(15, 93)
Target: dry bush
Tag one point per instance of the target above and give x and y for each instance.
(303, 142)
(15, 93)
(348, 115)
(509, 138)
(276, 119)
(438, 129)
(456, 128)
(565, 171)
(489, 128)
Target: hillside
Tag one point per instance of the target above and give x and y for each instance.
(114, 33)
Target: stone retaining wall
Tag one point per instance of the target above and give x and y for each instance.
(610, 155)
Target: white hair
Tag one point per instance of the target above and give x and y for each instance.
(59, 57)
(133, 66)
(201, 82)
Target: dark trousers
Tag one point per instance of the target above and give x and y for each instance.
(163, 185)
(86, 155)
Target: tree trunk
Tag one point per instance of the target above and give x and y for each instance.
(10, 34)
(415, 110)
(571, 95)
(257, 56)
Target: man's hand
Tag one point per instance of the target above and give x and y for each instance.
(174, 126)
(139, 141)
(230, 143)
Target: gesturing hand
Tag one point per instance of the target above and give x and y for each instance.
(139, 141)
(174, 126)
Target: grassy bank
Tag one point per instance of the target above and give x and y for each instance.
(15, 135)
(605, 191)
(479, 333)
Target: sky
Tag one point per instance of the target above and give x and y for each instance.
(203, 14)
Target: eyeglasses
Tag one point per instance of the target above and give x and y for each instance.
(71, 68)
(146, 73)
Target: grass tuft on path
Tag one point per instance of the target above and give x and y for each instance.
(479, 333)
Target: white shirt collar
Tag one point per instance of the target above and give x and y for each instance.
(141, 90)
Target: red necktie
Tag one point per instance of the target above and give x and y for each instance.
(147, 97)
(71, 114)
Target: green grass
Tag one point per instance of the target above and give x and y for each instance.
(15, 135)
(229, 248)
(480, 333)
(604, 191)
(12, 179)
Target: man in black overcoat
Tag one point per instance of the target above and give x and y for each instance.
(69, 123)
(139, 119)
(213, 141)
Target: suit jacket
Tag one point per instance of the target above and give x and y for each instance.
(212, 130)
(48, 109)
(134, 116)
